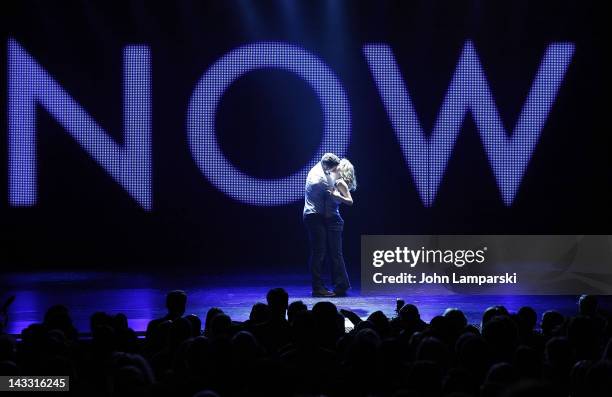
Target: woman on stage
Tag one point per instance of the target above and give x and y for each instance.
(328, 185)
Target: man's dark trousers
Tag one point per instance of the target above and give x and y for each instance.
(325, 235)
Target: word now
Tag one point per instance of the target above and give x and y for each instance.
(426, 155)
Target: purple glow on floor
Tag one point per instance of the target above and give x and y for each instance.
(141, 297)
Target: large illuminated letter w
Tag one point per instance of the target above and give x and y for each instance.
(427, 156)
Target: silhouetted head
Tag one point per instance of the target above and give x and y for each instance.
(558, 352)
(409, 312)
(587, 305)
(363, 350)
(176, 302)
(220, 326)
(58, 317)
(501, 334)
(196, 324)
(212, 312)
(131, 375)
(127, 381)
(325, 311)
(245, 348)
(294, 308)
(551, 320)
(432, 349)
(456, 319)
(329, 323)
(380, 322)
(260, 313)
(493, 311)
(98, 319)
(120, 322)
(278, 300)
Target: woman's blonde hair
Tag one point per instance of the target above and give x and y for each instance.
(346, 171)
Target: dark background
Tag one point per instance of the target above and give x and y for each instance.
(269, 124)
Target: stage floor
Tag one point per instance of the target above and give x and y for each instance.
(141, 297)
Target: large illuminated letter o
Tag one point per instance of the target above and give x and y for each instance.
(208, 92)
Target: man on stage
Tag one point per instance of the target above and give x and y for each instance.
(325, 225)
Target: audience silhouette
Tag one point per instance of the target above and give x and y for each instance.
(287, 349)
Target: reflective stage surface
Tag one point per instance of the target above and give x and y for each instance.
(141, 297)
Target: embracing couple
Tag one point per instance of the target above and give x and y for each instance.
(329, 184)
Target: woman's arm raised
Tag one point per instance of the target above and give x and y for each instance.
(342, 193)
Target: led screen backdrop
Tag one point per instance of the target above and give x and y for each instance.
(142, 135)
